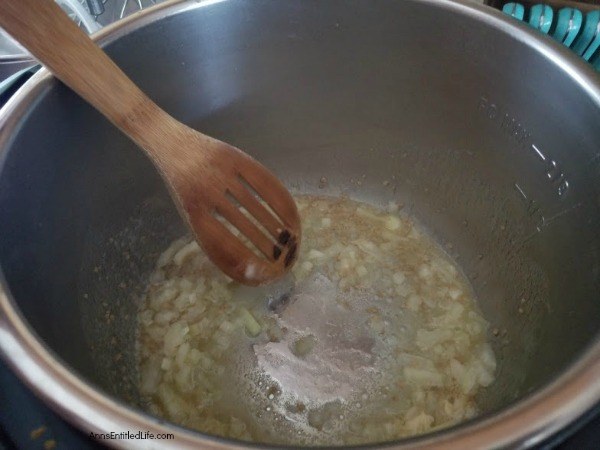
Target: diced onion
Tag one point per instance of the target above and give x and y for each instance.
(195, 325)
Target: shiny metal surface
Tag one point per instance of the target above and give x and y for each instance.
(90, 15)
(487, 132)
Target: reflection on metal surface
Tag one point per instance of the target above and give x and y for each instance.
(91, 15)
(304, 95)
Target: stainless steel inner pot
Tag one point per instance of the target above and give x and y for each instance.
(489, 134)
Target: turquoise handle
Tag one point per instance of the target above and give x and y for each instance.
(571, 28)
(515, 10)
(588, 33)
(594, 45)
(540, 18)
(574, 26)
(568, 24)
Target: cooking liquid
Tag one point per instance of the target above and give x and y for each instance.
(379, 339)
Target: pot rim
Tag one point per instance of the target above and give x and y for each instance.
(524, 423)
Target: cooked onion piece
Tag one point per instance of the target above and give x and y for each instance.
(380, 338)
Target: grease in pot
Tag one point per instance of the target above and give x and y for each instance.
(380, 338)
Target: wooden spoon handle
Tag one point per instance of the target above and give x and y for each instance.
(55, 40)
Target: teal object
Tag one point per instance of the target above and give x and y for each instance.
(571, 28)
(515, 10)
(594, 45)
(574, 27)
(540, 18)
(568, 24)
(562, 25)
(592, 49)
(588, 33)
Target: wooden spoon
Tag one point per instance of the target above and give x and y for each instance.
(208, 179)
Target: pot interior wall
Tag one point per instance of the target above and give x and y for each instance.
(439, 105)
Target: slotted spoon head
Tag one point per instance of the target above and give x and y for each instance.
(243, 216)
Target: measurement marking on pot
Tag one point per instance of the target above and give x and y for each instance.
(560, 214)
(554, 173)
(518, 133)
(533, 209)
(507, 123)
(535, 212)
(521, 191)
(539, 152)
